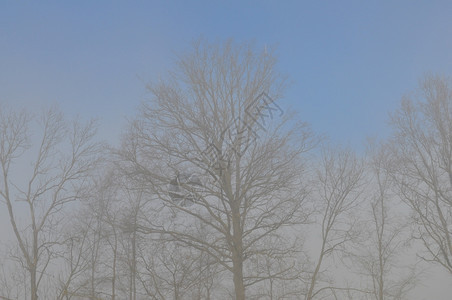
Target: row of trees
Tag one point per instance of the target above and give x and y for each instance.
(217, 193)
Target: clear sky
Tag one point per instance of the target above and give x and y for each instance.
(349, 61)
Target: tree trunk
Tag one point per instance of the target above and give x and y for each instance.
(133, 288)
(33, 269)
(34, 288)
(113, 279)
(237, 265)
(316, 272)
(237, 257)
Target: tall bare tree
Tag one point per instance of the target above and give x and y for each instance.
(422, 160)
(61, 155)
(214, 135)
(98, 219)
(377, 257)
(339, 186)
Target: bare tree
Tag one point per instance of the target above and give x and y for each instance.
(214, 132)
(131, 243)
(111, 211)
(63, 157)
(13, 280)
(339, 186)
(173, 271)
(422, 166)
(378, 256)
(98, 218)
(73, 263)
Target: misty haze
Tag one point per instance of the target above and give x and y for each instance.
(226, 150)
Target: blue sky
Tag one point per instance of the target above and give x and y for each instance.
(349, 62)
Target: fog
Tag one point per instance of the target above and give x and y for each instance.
(166, 151)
